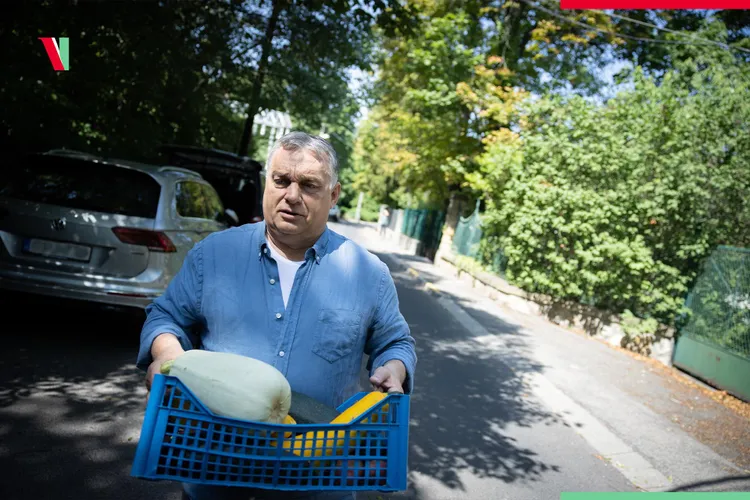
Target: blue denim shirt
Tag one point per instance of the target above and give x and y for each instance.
(227, 297)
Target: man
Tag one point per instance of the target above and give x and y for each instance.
(290, 292)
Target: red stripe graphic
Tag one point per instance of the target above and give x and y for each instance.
(54, 57)
(655, 4)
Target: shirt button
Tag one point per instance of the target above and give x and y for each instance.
(278, 315)
(272, 281)
(281, 353)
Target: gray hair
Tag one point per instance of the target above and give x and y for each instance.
(319, 147)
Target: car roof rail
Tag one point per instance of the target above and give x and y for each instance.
(211, 153)
(208, 157)
(169, 168)
(64, 151)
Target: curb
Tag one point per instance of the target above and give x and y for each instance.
(427, 286)
(566, 315)
(632, 465)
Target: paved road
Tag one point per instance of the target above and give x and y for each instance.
(71, 403)
(478, 431)
(556, 399)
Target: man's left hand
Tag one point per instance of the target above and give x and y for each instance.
(390, 377)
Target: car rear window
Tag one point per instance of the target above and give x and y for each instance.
(82, 184)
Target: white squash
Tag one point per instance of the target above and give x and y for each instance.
(234, 386)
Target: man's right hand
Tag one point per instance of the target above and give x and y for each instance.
(165, 348)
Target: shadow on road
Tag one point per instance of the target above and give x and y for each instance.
(466, 395)
(71, 403)
(728, 483)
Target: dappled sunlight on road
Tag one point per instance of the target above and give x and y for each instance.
(105, 401)
(71, 408)
(466, 398)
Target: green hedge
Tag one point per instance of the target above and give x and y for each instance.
(617, 205)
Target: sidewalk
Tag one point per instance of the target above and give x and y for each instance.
(686, 433)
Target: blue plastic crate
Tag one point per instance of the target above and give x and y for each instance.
(181, 440)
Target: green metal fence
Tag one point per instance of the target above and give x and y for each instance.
(715, 343)
(468, 234)
(467, 240)
(426, 226)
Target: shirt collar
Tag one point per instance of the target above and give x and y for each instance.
(316, 252)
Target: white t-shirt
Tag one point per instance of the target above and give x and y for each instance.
(287, 271)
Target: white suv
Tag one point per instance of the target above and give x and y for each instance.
(77, 226)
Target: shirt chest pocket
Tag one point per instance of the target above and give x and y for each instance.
(336, 333)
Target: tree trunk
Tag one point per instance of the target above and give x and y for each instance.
(452, 216)
(247, 134)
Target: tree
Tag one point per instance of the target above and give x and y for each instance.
(433, 85)
(618, 204)
(658, 40)
(138, 77)
(180, 72)
(306, 48)
(422, 125)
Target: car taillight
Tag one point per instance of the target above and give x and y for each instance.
(154, 240)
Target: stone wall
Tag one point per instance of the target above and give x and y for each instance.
(568, 314)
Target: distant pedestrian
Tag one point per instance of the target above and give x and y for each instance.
(383, 219)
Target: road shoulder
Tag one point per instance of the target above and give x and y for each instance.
(676, 431)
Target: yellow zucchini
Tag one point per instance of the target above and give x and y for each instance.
(314, 441)
(288, 420)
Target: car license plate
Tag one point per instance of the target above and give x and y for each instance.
(58, 250)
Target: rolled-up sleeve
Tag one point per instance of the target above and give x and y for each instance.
(390, 337)
(177, 311)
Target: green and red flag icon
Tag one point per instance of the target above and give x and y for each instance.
(57, 52)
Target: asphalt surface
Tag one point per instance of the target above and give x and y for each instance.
(648, 422)
(477, 431)
(71, 406)
(71, 403)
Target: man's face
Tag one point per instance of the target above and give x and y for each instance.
(298, 195)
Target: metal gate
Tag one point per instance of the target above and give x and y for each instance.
(426, 226)
(715, 343)
(468, 234)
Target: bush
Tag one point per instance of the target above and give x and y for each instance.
(617, 205)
